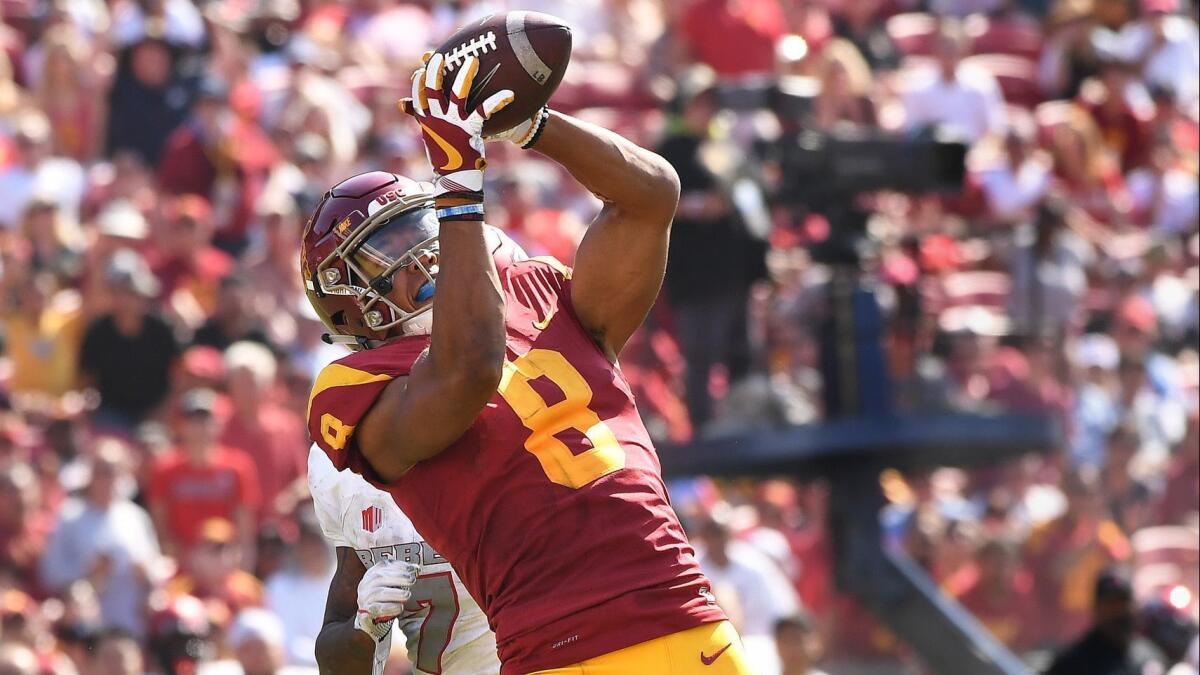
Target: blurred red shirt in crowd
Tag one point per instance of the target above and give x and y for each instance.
(201, 479)
(211, 573)
(734, 37)
(191, 492)
(270, 435)
(1000, 594)
(183, 259)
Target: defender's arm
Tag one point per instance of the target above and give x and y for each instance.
(620, 264)
(342, 648)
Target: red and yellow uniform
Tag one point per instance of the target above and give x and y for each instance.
(551, 507)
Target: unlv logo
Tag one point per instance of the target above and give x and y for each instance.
(372, 518)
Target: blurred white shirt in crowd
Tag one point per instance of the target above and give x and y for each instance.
(124, 533)
(299, 602)
(971, 105)
(59, 179)
(1172, 198)
(1013, 193)
(764, 595)
(182, 25)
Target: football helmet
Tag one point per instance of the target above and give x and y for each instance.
(363, 231)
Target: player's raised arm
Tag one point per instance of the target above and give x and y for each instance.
(417, 417)
(620, 263)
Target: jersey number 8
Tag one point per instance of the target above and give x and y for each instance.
(544, 421)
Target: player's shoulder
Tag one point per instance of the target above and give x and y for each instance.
(344, 391)
(543, 264)
(390, 360)
(542, 277)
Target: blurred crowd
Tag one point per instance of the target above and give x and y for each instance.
(158, 158)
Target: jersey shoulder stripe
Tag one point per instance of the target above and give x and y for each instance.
(554, 263)
(346, 389)
(340, 375)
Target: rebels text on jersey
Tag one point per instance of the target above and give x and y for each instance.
(551, 506)
(446, 632)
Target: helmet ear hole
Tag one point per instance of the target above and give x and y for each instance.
(338, 318)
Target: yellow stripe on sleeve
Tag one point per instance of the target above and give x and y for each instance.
(555, 263)
(338, 375)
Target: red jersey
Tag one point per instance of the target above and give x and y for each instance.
(551, 507)
(194, 493)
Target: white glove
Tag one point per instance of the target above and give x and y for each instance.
(384, 589)
(526, 133)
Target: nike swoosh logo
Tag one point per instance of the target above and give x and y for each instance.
(479, 86)
(454, 159)
(541, 325)
(709, 660)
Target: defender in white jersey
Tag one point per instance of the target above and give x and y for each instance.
(446, 631)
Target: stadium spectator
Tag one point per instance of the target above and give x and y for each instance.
(234, 318)
(1068, 554)
(44, 324)
(297, 592)
(38, 173)
(127, 355)
(211, 571)
(1000, 594)
(107, 540)
(67, 89)
(24, 525)
(799, 645)
(201, 480)
(862, 23)
(185, 260)
(269, 434)
(709, 305)
(762, 591)
(1109, 646)
(959, 96)
(257, 640)
(844, 100)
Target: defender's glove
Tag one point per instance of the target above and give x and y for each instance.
(452, 134)
(384, 589)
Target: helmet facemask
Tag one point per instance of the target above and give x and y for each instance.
(392, 238)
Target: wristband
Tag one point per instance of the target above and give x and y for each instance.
(468, 195)
(539, 125)
(377, 631)
(454, 212)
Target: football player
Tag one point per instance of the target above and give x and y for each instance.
(405, 579)
(484, 395)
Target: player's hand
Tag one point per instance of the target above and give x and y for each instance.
(452, 134)
(384, 589)
(525, 134)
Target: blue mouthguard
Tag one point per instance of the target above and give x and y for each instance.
(426, 292)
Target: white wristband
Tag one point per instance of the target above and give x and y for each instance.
(377, 631)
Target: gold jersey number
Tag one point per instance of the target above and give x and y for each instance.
(545, 421)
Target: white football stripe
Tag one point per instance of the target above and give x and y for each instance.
(519, 41)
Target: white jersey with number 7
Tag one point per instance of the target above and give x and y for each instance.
(445, 629)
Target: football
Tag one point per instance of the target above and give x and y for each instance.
(526, 52)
